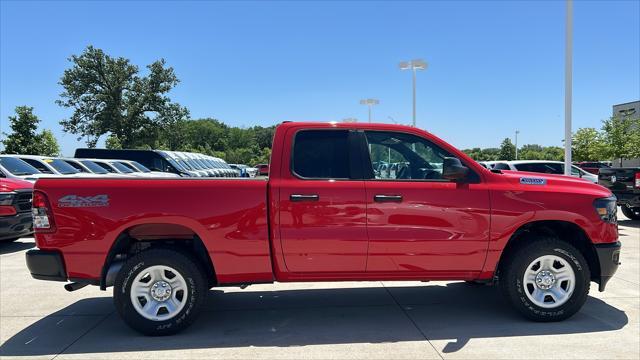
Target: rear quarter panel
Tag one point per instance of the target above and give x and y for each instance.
(230, 216)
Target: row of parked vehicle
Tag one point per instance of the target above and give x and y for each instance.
(18, 173)
(176, 162)
(540, 166)
(116, 163)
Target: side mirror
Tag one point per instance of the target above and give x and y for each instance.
(452, 169)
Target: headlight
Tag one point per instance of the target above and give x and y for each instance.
(606, 209)
(6, 198)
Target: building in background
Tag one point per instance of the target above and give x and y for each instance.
(627, 109)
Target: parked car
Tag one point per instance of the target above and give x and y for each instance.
(89, 167)
(625, 185)
(142, 170)
(52, 165)
(15, 209)
(323, 215)
(155, 160)
(543, 166)
(14, 168)
(263, 169)
(592, 166)
(244, 170)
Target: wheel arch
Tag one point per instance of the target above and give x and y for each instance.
(566, 231)
(139, 237)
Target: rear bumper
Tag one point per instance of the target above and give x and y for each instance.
(609, 259)
(16, 226)
(46, 265)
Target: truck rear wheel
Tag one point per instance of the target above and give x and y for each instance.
(159, 292)
(633, 213)
(546, 280)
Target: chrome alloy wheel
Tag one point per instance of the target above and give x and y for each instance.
(549, 281)
(159, 293)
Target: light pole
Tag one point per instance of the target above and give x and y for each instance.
(370, 103)
(413, 65)
(517, 132)
(568, 62)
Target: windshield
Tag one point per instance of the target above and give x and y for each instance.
(95, 168)
(121, 167)
(17, 166)
(140, 167)
(61, 166)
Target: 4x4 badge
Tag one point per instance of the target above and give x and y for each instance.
(83, 201)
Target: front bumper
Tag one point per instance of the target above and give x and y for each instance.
(16, 226)
(609, 259)
(46, 265)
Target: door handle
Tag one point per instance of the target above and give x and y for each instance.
(304, 197)
(387, 198)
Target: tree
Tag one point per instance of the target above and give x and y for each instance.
(587, 145)
(507, 150)
(48, 145)
(622, 136)
(109, 96)
(113, 143)
(24, 138)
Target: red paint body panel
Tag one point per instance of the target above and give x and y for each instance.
(253, 232)
(233, 228)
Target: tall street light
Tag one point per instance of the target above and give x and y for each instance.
(413, 65)
(568, 62)
(517, 132)
(370, 103)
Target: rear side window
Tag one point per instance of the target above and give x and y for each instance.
(501, 166)
(321, 154)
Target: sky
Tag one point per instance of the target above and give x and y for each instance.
(493, 66)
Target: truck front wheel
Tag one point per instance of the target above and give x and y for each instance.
(633, 213)
(159, 292)
(545, 280)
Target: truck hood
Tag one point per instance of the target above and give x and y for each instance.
(8, 185)
(525, 180)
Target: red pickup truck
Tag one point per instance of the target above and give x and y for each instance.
(343, 202)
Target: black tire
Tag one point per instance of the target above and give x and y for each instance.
(183, 264)
(512, 272)
(631, 213)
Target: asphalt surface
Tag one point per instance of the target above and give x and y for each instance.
(350, 320)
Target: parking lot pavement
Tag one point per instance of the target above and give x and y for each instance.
(372, 320)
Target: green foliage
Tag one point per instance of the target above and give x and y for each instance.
(507, 150)
(587, 145)
(212, 137)
(108, 95)
(622, 137)
(113, 143)
(24, 138)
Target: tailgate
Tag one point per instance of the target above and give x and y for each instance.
(618, 179)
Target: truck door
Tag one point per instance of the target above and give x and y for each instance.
(418, 221)
(321, 208)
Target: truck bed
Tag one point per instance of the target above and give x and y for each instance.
(228, 215)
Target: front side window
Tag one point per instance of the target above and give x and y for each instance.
(321, 154)
(38, 165)
(61, 166)
(399, 156)
(502, 166)
(95, 168)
